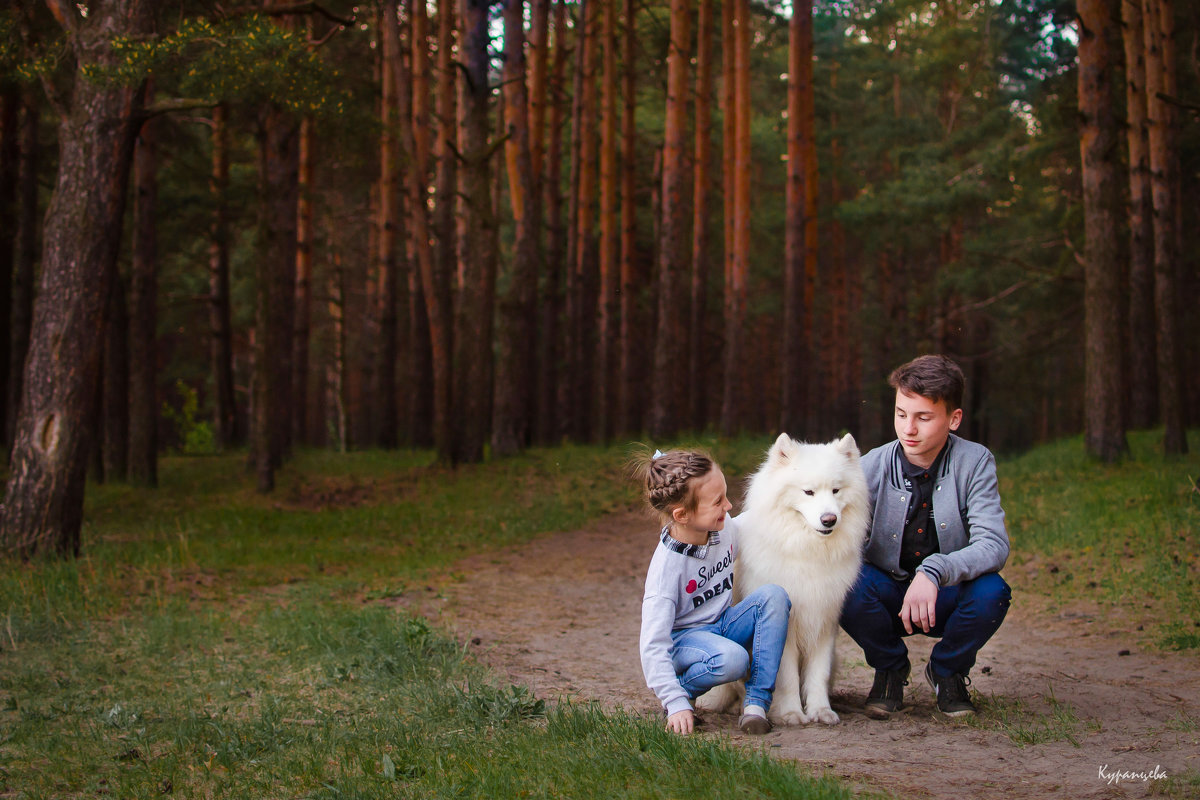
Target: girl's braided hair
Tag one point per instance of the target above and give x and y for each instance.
(666, 479)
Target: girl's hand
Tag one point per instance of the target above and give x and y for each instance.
(681, 722)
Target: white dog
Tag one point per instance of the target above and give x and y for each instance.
(802, 527)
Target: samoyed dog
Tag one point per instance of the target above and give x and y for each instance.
(803, 525)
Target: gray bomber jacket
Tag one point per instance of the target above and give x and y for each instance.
(966, 509)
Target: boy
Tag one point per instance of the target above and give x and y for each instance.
(935, 548)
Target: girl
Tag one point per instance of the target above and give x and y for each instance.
(693, 636)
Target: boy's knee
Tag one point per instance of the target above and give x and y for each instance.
(992, 594)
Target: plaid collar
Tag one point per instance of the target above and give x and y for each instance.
(693, 550)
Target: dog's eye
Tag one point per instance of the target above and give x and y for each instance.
(835, 491)
(808, 492)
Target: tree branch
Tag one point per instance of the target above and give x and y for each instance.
(172, 104)
(288, 10)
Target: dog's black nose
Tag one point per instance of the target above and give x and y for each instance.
(829, 520)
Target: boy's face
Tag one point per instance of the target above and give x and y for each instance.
(923, 426)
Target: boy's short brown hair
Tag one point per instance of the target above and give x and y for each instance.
(934, 377)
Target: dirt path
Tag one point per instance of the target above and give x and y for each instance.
(561, 615)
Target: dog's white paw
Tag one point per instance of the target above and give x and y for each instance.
(786, 712)
(717, 699)
(825, 716)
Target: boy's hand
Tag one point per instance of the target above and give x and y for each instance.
(681, 722)
(920, 603)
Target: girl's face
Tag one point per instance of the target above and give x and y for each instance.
(711, 505)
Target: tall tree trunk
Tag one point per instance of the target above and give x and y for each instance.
(10, 154)
(477, 248)
(1143, 378)
(549, 339)
(581, 295)
(1105, 434)
(795, 362)
(701, 183)
(26, 254)
(228, 426)
(302, 429)
(607, 339)
(513, 413)
(417, 138)
(628, 417)
(441, 264)
(387, 404)
(143, 321)
(113, 418)
(1158, 21)
(276, 291)
(729, 10)
(735, 283)
(336, 376)
(43, 506)
(670, 343)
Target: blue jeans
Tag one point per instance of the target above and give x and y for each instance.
(967, 616)
(748, 636)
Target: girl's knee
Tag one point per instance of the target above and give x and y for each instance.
(775, 598)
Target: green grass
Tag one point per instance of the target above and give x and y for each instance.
(215, 642)
(1027, 722)
(1123, 535)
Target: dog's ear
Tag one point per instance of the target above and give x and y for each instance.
(781, 452)
(848, 446)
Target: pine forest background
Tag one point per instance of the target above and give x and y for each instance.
(477, 227)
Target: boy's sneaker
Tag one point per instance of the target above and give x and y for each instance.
(953, 698)
(754, 721)
(887, 693)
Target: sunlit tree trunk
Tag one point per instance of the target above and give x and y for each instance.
(1105, 433)
(388, 225)
(301, 427)
(477, 248)
(738, 265)
(629, 389)
(701, 183)
(512, 423)
(668, 402)
(443, 262)
(608, 339)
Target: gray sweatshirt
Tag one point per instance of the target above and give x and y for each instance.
(686, 586)
(969, 521)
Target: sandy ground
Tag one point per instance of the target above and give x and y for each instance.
(561, 615)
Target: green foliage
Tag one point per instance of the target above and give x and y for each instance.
(247, 59)
(196, 435)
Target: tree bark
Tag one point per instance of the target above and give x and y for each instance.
(1105, 433)
(43, 505)
(670, 342)
(386, 400)
(628, 417)
(228, 421)
(1143, 378)
(608, 339)
(550, 349)
(515, 373)
(26, 254)
(477, 247)
(113, 419)
(143, 319)
(1158, 25)
(10, 154)
(302, 428)
(701, 183)
(735, 284)
(442, 264)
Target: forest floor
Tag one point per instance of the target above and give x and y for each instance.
(561, 616)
